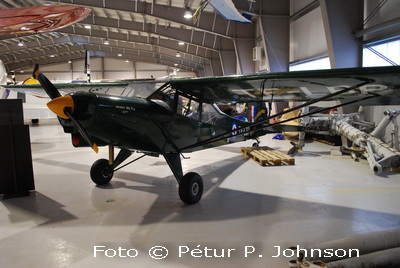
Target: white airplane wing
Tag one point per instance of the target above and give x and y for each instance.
(228, 10)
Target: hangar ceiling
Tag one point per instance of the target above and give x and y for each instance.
(146, 31)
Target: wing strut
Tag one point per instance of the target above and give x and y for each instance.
(249, 128)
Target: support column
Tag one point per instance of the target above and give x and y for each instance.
(341, 19)
(244, 44)
(276, 35)
(134, 69)
(102, 68)
(71, 70)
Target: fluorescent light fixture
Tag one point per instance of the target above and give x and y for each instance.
(52, 56)
(88, 27)
(70, 61)
(181, 43)
(20, 44)
(119, 55)
(106, 42)
(178, 55)
(126, 60)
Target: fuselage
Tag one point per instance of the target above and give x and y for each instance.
(149, 125)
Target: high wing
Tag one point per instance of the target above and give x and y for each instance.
(65, 88)
(140, 89)
(383, 82)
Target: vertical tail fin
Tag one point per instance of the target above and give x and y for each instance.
(3, 81)
(3, 74)
(87, 65)
(14, 81)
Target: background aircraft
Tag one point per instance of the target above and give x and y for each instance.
(224, 7)
(182, 116)
(38, 19)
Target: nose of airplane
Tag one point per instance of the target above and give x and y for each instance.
(58, 105)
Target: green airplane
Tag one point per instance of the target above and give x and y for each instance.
(183, 116)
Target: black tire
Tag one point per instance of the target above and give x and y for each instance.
(101, 172)
(191, 188)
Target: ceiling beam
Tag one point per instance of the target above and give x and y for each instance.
(80, 54)
(194, 38)
(207, 23)
(65, 44)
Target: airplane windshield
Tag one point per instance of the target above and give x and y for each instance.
(189, 107)
(141, 89)
(164, 96)
(135, 89)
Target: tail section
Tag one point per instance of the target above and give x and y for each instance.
(33, 79)
(4, 93)
(3, 74)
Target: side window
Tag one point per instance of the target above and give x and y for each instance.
(188, 107)
(212, 115)
(164, 97)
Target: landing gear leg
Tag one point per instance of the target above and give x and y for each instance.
(299, 146)
(190, 185)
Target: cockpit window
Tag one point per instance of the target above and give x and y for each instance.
(188, 107)
(211, 114)
(165, 97)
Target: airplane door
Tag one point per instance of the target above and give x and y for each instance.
(186, 125)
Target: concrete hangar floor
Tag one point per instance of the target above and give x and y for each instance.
(247, 211)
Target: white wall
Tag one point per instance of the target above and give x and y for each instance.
(307, 37)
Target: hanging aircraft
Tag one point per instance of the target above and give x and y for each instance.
(39, 19)
(226, 8)
(182, 115)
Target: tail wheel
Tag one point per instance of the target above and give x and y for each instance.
(256, 145)
(101, 172)
(191, 188)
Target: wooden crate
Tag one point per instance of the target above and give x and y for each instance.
(266, 156)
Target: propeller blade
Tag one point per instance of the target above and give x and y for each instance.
(62, 106)
(82, 131)
(50, 89)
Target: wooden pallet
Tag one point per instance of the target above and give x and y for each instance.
(266, 156)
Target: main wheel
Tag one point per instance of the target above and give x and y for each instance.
(191, 188)
(101, 172)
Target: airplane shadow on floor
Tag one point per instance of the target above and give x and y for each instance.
(226, 211)
(218, 203)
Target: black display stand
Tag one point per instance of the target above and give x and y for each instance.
(16, 171)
